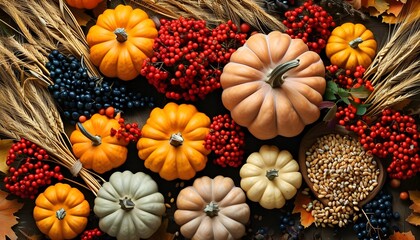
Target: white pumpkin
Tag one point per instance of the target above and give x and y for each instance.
(129, 206)
(270, 177)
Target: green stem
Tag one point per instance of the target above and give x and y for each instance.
(176, 139)
(60, 214)
(272, 173)
(126, 204)
(355, 42)
(121, 34)
(96, 140)
(276, 78)
(211, 209)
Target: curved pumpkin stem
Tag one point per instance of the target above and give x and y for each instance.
(126, 204)
(276, 78)
(60, 214)
(355, 42)
(96, 140)
(176, 139)
(211, 209)
(272, 173)
(121, 34)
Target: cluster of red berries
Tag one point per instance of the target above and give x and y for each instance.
(345, 115)
(91, 234)
(226, 140)
(188, 57)
(348, 79)
(28, 170)
(394, 135)
(311, 23)
(130, 132)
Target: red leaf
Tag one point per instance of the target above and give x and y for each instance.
(306, 218)
(402, 236)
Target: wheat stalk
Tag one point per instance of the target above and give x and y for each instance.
(214, 12)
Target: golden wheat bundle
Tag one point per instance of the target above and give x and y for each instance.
(395, 71)
(214, 11)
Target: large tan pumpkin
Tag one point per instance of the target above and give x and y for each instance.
(273, 85)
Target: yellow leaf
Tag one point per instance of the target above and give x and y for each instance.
(81, 16)
(5, 145)
(390, 19)
(414, 196)
(306, 218)
(7, 217)
(415, 207)
(402, 236)
(414, 219)
(379, 7)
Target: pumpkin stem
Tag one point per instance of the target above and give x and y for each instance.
(121, 34)
(96, 140)
(355, 42)
(211, 209)
(126, 204)
(60, 214)
(272, 173)
(276, 77)
(176, 139)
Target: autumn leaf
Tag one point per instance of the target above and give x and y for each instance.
(81, 16)
(378, 8)
(5, 145)
(306, 218)
(395, 7)
(7, 218)
(414, 219)
(415, 207)
(414, 196)
(402, 236)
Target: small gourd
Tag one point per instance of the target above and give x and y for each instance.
(270, 177)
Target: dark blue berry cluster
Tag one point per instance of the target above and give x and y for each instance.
(78, 94)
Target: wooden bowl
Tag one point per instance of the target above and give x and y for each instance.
(309, 139)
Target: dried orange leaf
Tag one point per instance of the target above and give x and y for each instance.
(415, 207)
(402, 236)
(390, 19)
(395, 7)
(379, 7)
(415, 196)
(7, 217)
(81, 16)
(5, 145)
(368, 3)
(306, 218)
(414, 219)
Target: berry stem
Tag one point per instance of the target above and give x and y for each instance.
(60, 214)
(176, 139)
(96, 140)
(276, 76)
(121, 35)
(355, 42)
(126, 204)
(272, 173)
(211, 209)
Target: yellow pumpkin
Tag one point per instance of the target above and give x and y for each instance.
(172, 142)
(94, 146)
(83, 4)
(61, 212)
(270, 177)
(120, 41)
(273, 85)
(351, 45)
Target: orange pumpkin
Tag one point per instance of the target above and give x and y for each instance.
(273, 85)
(172, 142)
(61, 212)
(83, 4)
(120, 41)
(93, 144)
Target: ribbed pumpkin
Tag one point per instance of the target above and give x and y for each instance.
(61, 212)
(172, 142)
(273, 85)
(83, 4)
(270, 176)
(129, 206)
(351, 45)
(120, 41)
(94, 146)
(212, 209)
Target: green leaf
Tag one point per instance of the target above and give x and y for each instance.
(346, 100)
(329, 95)
(332, 86)
(330, 114)
(360, 110)
(343, 93)
(360, 92)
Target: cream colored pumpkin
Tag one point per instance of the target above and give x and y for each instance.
(129, 206)
(212, 209)
(270, 177)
